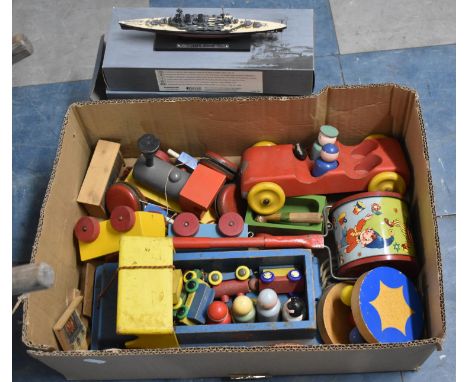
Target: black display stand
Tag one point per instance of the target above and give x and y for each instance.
(165, 42)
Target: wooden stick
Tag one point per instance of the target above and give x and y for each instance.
(292, 217)
(32, 277)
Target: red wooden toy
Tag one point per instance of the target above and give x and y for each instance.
(377, 164)
(229, 199)
(200, 190)
(263, 241)
(218, 313)
(280, 283)
(234, 287)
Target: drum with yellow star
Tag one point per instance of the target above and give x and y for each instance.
(371, 229)
(387, 307)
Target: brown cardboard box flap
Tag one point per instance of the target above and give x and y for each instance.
(237, 362)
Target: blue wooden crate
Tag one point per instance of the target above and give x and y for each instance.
(103, 324)
(258, 331)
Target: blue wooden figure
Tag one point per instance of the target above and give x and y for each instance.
(327, 161)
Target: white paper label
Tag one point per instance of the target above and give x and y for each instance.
(209, 81)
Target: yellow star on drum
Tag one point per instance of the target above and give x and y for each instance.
(386, 307)
(392, 307)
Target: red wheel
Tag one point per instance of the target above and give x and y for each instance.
(231, 224)
(229, 200)
(186, 224)
(123, 194)
(122, 218)
(87, 229)
(221, 164)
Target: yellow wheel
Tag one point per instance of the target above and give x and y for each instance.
(264, 143)
(215, 278)
(387, 181)
(266, 198)
(375, 136)
(242, 273)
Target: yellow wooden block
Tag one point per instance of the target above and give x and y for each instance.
(158, 198)
(144, 297)
(108, 241)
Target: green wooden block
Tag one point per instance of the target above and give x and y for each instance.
(307, 203)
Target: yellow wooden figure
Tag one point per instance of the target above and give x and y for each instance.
(98, 239)
(145, 295)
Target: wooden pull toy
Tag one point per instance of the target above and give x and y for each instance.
(194, 192)
(99, 238)
(293, 217)
(155, 173)
(374, 164)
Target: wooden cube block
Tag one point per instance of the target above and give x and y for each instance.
(200, 190)
(104, 168)
(144, 293)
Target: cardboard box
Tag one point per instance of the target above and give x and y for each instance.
(194, 125)
(277, 63)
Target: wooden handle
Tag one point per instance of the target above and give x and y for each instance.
(298, 241)
(32, 277)
(293, 217)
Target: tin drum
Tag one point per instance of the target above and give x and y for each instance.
(371, 230)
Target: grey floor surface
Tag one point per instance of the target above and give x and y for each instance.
(357, 42)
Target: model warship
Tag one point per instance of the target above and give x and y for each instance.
(202, 25)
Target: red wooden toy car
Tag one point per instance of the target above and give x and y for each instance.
(270, 173)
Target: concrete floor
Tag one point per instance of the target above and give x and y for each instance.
(409, 42)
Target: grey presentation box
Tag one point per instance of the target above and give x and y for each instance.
(277, 64)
